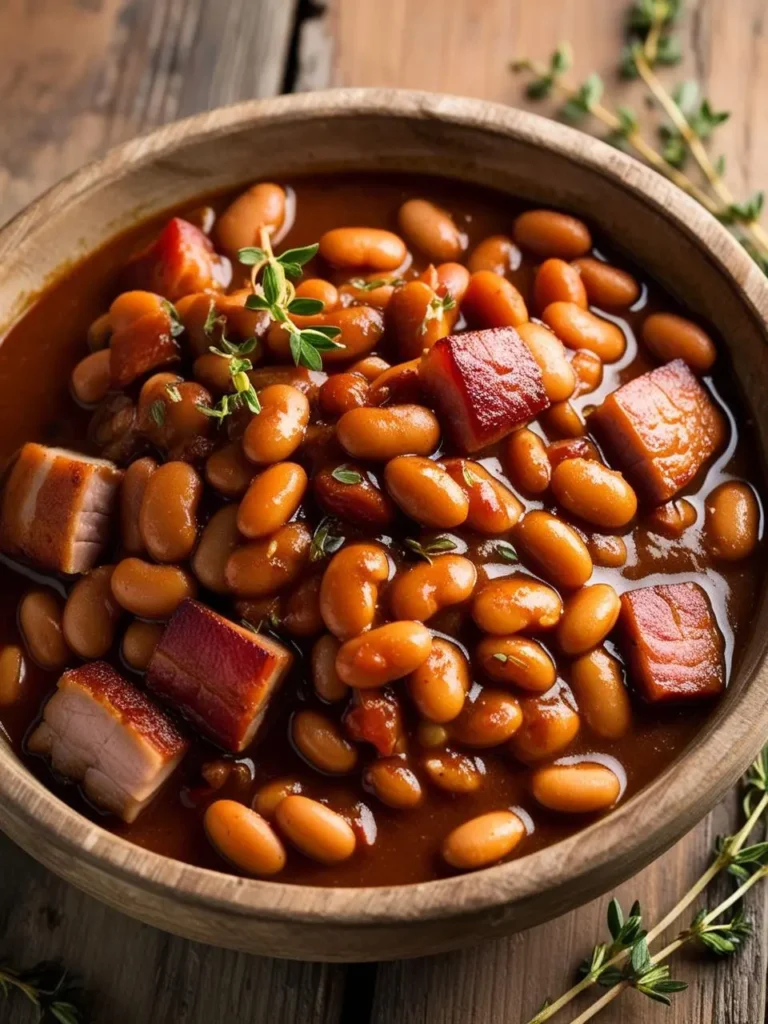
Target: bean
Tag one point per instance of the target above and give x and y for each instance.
(439, 686)
(493, 508)
(426, 492)
(319, 740)
(361, 330)
(423, 591)
(607, 551)
(593, 492)
(732, 521)
(563, 420)
(150, 591)
(91, 614)
(228, 470)
(588, 617)
(493, 301)
(99, 333)
(549, 726)
(497, 253)
(516, 603)
(325, 679)
(362, 247)
(430, 735)
(370, 367)
(263, 567)
(453, 280)
(394, 783)
(342, 392)
(261, 206)
(548, 233)
(302, 609)
(579, 328)
(180, 420)
(384, 654)
(132, 489)
(673, 337)
(213, 373)
(672, 518)
(374, 290)
(267, 798)
(558, 281)
(12, 672)
(308, 382)
(453, 772)
(350, 588)
(432, 230)
(361, 503)
(244, 838)
(527, 462)
(572, 448)
(557, 374)
(217, 542)
(232, 317)
(40, 614)
(315, 829)
(576, 788)
(168, 515)
(131, 306)
(398, 385)
(518, 661)
(556, 547)
(383, 434)
(607, 286)
(271, 500)
(482, 840)
(90, 378)
(597, 683)
(490, 720)
(417, 318)
(317, 288)
(278, 430)
(139, 642)
(588, 367)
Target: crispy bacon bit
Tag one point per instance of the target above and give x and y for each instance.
(221, 676)
(661, 427)
(142, 345)
(179, 262)
(101, 731)
(483, 384)
(363, 503)
(373, 716)
(56, 507)
(672, 642)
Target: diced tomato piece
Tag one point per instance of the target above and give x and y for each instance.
(374, 717)
(672, 643)
(179, 262)
(483, 384)
(661, 427)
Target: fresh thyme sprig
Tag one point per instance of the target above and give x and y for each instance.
(326, 540)
(627, 961)
(438, 546)
(236, 355)
(276, 294)
(48, 986)
(692, 119)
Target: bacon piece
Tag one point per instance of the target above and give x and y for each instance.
(661, 427)
(101, 731)
(220, 675)
(143, 337)
(572, 448)
(56, 507)
(671, 640)
(482, 384)
(179, 262)
(373, 716)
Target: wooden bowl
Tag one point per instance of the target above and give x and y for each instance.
(665, 232)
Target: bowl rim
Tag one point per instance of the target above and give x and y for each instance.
(662, 811)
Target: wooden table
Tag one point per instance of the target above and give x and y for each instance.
(77, 76)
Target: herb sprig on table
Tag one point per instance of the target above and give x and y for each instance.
(626, 961)
(690, 120)
(48, 987)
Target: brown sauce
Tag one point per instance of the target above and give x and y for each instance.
(36, 360)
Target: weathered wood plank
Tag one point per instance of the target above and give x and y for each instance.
(465, 47)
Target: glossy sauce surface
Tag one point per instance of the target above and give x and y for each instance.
(394, 846)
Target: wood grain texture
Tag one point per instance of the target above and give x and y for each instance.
(464, 47)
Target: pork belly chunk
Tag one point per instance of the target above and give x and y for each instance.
(482, 384)
(661, 428)
(56, 508)
(220, 675)
(672, 643)
(101, 731)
